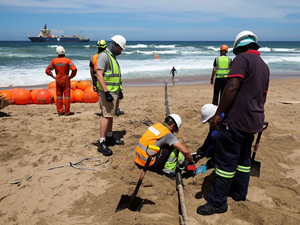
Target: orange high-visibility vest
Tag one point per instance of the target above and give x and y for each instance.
(94, 61)
(154, 133)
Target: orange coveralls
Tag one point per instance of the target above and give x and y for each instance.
(62, 66)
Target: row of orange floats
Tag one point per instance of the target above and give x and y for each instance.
(81, 91)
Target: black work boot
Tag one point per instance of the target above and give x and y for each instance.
(111, 141)
(120, 113)
(102, 147)
(209, 210)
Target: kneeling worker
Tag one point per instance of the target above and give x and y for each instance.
(171, 150)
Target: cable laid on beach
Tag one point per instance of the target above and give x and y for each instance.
(166, 100)
(179, 182)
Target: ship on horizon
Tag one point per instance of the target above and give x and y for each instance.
(45, 36)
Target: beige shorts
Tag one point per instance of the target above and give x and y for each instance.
(109, 109)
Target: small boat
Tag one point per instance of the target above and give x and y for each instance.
(45, 36)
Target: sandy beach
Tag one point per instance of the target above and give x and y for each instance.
(40, 185)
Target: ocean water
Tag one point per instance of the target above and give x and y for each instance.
(24, 63)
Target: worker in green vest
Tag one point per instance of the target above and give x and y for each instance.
(220, 71)
(109, 84)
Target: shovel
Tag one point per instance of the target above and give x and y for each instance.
(255, 165)
(133, 202)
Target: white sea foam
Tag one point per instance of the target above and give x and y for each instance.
(25, 64)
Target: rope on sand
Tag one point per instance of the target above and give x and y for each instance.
(81, 168)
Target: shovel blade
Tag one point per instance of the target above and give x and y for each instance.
(132, 203)
(255, 169)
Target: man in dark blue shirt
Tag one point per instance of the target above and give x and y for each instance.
(243, 104)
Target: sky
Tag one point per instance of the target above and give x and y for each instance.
(155, 20)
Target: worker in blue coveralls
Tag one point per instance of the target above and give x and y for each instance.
(208, 148)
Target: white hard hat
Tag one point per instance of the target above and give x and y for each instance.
(177, 120)
(120, 40)
(60, 50)
(244, 38)
(207, 112)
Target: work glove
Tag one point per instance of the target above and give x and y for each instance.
(194, 156)
(183, 165)
(108, 96)
(201, 151)
(121, 95)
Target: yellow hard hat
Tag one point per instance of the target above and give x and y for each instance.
(101, 44)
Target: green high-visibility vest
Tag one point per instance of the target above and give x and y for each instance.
(112, 78)
(223, 66)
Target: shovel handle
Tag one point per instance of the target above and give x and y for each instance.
(266, 124)
(151, 147)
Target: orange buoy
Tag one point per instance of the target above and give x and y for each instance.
(52, 92)
(78, 95)
(74, 85)
(89, 88)
(52, 84)
(90, 97)
(72, 97)
(22, 97)
(32, 93)
(7, 94)
(43, 96)
(84, 84)
(15, 90)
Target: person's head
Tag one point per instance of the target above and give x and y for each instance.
(223, 50)
(117, 45)
(244, 41)
(60, 51)
(101, 44)
(207, 112)
(174, 122)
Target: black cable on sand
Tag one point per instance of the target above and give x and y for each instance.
(166, 99)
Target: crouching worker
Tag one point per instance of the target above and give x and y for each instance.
(208, 148)
(171, 152)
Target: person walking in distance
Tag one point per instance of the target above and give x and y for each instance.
(62, 67)
(173, 71)
(243, 105)
(220, 70)
(109, 83)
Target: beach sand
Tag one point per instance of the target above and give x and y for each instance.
(33, 138)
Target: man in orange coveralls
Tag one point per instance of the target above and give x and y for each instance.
(62, 66)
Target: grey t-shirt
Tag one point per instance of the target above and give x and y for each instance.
(168, 139)
(103, 62)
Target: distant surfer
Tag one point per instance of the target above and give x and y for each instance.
(173, 71)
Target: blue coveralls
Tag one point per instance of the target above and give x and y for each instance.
(210, 141)
(233, 168)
